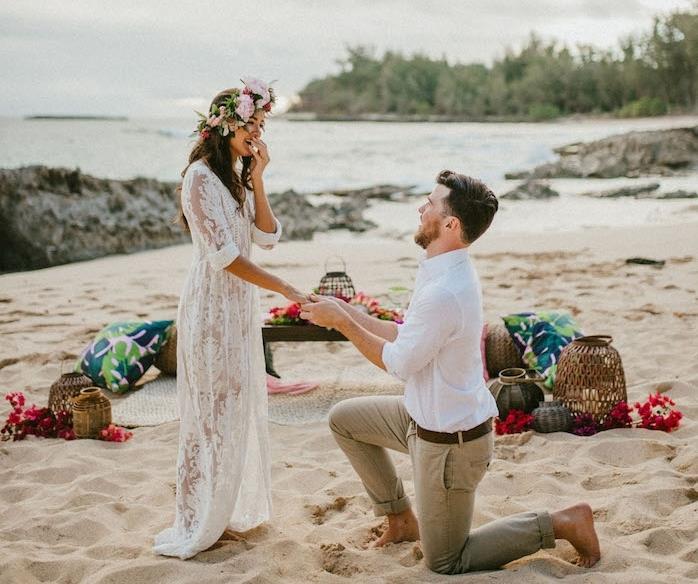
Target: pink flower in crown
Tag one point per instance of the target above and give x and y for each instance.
(245, 107)
(258, 88)
(213, 121)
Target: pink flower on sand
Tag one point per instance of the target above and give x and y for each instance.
(245, 108)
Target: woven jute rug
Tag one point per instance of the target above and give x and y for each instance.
(155, 402)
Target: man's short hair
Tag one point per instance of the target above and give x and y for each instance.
(471, 201)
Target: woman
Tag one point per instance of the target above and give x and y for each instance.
(223, 466)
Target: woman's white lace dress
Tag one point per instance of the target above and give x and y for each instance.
(223, 466)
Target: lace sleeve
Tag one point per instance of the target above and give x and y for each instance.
(263, 239)
(206, 217)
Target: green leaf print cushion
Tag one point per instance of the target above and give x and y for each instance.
(122, 352)
(540, 337)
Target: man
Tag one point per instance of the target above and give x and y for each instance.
(444, 420)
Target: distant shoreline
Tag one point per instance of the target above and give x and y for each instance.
(397, 118)
(79, 118)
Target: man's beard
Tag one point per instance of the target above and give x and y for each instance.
(426, 234)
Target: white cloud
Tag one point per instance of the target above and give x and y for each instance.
(149, 57)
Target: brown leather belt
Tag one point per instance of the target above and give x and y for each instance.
(455, 437)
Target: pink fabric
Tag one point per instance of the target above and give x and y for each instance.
(483, 342)
(275, 385)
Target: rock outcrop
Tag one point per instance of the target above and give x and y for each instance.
(631, 191)
(53, 216)
(661, 152)
(531, 189)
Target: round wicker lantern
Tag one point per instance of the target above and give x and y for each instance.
(551, 416)
(590, 377)
(500, 351)
(337, 283)
(64, 389)
(513, 391)
(91, 412)
(166, 359)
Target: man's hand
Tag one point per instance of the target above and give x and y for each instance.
(323, 312)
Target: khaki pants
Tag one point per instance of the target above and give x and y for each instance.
(445, 479)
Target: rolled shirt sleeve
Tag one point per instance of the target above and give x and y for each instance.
(266, 240)
(431, 320)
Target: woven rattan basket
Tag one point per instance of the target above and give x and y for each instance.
(590, 377)
(337, 284)
(552, 416)
(91, 412)
(64, 389)
(166, 359)
(500, 350)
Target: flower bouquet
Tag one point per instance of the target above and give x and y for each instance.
(45, 423)
(655, 413)
(290, 314)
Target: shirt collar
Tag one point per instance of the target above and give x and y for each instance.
(437, 265)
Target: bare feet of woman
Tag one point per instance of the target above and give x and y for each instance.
(401, 527)
(576, 525)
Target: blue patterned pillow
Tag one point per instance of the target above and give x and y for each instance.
(540, 337)
(122, 352)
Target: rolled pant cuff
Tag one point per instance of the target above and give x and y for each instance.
(547, 534)
(391, 507)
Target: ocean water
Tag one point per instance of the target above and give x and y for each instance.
(314, 156)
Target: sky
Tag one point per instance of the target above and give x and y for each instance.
(144, 58)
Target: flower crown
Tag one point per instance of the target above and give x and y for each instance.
(237, 109)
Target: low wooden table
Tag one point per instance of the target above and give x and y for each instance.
(293, 334)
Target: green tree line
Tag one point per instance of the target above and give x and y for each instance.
(646, 74)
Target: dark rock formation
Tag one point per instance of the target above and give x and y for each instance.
(661, 152)
(386, 192)
(640, 190)
(680, 194)
(53, 216)
(301, 219)
(531, 189)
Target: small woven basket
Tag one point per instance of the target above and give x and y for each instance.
(166, 359)
(590, 377)
(552, 416)
(500, 350)
(337, 283)
(64, 389)
(91, 412)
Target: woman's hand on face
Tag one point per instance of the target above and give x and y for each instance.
(260, 157)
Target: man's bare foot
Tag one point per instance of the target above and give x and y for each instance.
(401, 527)
(576, 525)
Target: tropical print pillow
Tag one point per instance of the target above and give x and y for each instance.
(122, 352)
(540, 337)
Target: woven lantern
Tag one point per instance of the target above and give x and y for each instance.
(513, 391)
(64, 389)
(91, 412)
(500, 351)
(337, 284)
(551, 416)
(166, 359)
(590, 377)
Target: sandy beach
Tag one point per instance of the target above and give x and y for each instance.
(86, 511)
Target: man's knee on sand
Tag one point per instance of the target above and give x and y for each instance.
(444, 564)
(338, 416)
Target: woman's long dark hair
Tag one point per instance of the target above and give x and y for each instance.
(215, 152)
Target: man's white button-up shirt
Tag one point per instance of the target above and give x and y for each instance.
(437, 349)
